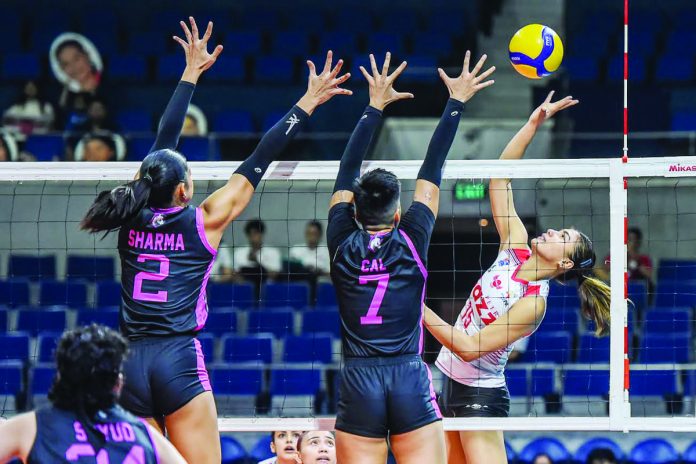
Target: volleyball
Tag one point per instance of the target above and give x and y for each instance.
(536, 51)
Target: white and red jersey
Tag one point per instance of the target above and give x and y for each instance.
(494, 294)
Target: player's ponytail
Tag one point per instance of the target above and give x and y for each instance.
(595, 295)
(160, 173)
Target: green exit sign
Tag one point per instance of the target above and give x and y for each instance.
(469, 191)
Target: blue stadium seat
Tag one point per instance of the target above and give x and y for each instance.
(169, 67)
(666, 348)
(45, 147)
(13, 31)
(684, 120)
(262, 449)
(207, 343)
(586, 383)
(14, 292)
(549, 446)
(587, 42)
(326, 294)
(638, 294)
(232, 451)
(42, 379)
(72, 294)
(90, 267)
(273, 70)
(581, 68)
(257, 348)
(258, 19)
(239, 295)
(516, 380)
(569, 301)
(108, 293)
(21, 66)
(342, 44)
(654, 451)
(228, 68)
(420, 69)
(234, 121)
(676, 41)
(689, 455)
(543, 382)
(379, 43)
(561, 319)
(46, 347)
(642, 42)
(436, 43)
(593, 349)
(243, 43)
(271, 118)
(306, 20)
(14, 346)
(199, 148)
(105, 38)
(675, 294)
(667, 321)
(636, 69)
(598, 442)
(353, 21)
(10, 379)
(674, 68)
(221, 322)
(279, 323)
(35, 321)
(452, 21)
(237, 381)
(134, 121)
(291, 43)
(289, 382)
(550, 347)
(3, 319)
(400, 22)
(308, 349)
(103, 316)
(652, 383)
(285, 294)
(321, 321)
(139, 147)
(127, 68)
(676, 270)
(152, 42)
(32, 267)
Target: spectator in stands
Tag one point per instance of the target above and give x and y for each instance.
(195, 123)
(542, 459)
(31, 113)
(100, 146)
(640, 266)
(313, 258)
(8, 148)
(601, 456)
(284, 446)
(316, 447)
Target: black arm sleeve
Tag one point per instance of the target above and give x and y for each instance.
(441, 142)
(341, 225)
(418, 223)
(173, 118)
(272, 144)
(356, 149)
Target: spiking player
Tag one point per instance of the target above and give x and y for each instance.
(379, 273)
(84, 421)
(508, 303)
(167, 249)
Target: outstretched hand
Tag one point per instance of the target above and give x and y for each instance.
(468, 83)
(382, 90)
(548, 108)
(322, 87)
(198, 60)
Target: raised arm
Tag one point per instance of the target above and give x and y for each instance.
(382, 93)
(519, 322)
(461, 89)
(510, 228)
(226, 203)
(198, 60)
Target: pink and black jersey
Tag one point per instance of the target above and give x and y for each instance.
(61, 437)
(165, 265)
(494, 294)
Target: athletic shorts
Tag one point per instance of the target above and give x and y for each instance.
(385, 396)
(459, 400)
(162, 374)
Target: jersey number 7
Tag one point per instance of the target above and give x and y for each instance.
(382, 282)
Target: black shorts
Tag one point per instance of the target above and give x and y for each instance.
(459, 400)
(385, 396)
(162, 374)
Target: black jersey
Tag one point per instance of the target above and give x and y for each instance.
(380, 281)
(165, 265)
(61, 438)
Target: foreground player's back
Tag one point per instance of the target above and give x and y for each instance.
(380, 283)
(61, 436)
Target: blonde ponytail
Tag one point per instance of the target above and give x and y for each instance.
(595, 302)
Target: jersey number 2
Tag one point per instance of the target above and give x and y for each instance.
(138, 293)
(382, 281)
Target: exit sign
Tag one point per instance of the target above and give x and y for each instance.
(464, 191)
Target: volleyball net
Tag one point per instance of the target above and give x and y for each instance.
(272, 337)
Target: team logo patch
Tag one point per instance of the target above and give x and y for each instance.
(157, 220)
(504, 262)
(477, 406)
(497, 284)
(375, 243)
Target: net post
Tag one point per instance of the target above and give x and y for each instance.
(619, 405)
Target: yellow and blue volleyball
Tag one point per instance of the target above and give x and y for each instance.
(536, 51)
